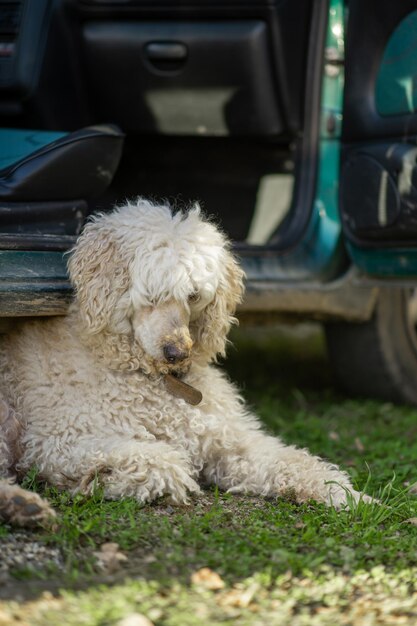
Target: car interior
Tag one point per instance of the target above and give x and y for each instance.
(198, 100)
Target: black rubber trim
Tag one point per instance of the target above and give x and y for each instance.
(378, 244)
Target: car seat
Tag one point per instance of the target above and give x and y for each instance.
(46, 181)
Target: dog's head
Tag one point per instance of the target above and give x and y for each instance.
(156, 289)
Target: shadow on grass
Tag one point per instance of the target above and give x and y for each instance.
(279, 359)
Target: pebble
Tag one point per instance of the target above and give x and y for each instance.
(135, 619)
(19, 551)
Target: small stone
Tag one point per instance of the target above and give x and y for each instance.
(135, 619)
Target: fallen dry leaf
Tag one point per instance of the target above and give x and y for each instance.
(109, 557)
(239, 598)
(208, 579)
(359, 445)
(299, 524)
(411, 520)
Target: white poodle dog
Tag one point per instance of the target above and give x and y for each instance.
(123, 391)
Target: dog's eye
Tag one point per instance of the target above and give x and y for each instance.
(194, 297)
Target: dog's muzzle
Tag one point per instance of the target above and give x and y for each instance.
(174, 354)
(177, 356)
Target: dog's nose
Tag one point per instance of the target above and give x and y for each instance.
(174, 354)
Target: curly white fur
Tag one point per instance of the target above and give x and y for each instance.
(90, 385)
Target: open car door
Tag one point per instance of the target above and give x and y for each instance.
(378, 196)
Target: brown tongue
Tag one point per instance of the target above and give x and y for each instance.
(179, 389)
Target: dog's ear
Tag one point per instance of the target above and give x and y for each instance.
(210, 329)
(100, 277)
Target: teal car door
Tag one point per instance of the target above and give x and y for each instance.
(378, 197)
(378, 185)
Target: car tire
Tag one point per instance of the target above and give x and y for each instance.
(378, 358)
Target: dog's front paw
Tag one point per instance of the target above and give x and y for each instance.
(146, 484)
(174, 482)
(24, 508)
(180, 492)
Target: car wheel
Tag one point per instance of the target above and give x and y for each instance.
(379, 358)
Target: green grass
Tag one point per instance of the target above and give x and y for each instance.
(296, 564)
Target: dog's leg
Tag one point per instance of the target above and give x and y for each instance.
(252, 462)
(10, 439)
(123, 467)
(23, 508)
(17, 506)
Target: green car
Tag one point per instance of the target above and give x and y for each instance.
(293, 123)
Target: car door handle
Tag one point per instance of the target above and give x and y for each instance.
(166, 51)
(165, 57)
